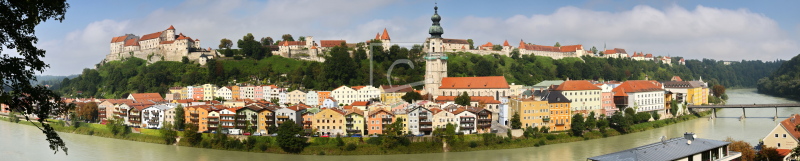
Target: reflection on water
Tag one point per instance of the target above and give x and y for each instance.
(19, 142)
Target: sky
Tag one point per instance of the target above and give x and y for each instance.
(730, 30)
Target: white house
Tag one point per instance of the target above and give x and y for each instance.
(283, 98)
(344, 95)
(330, 102)
(224, 92)
(296, 97)
(153, 116)
(312, 98)
(642, 95)
(365, 93)
(247, 92)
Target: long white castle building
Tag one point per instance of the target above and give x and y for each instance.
(159, 46)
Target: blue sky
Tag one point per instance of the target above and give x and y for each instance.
(722, 30)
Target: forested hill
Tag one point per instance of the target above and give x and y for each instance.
(116, 78)
(784, 82)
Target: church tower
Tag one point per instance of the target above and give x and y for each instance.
(436, 60)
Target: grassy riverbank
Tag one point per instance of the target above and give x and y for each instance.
(366, 145)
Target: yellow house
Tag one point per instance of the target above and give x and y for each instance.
(533, 113)
(355, 121)
(404, 118)
(329, 121)
(784, 135)
(391, 94)
(266, 118)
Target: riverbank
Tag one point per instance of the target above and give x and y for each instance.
(367, 145)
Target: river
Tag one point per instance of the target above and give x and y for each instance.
(22, 142)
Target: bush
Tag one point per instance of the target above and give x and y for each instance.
(375, 140)
(473, 144)
(13, 117)
(350, 147)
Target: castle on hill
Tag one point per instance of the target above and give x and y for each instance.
(159, 46)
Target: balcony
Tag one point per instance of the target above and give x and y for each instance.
(560, 124)
(546, 119)
(307, 122)
(270, 122)
(425, 123)
(228, 127)
(386, 119)
(194, 120)
(241, 117)
(226, 115)
(485, 126)
(135, 121)
(467, 120)
(280, 122)
(194, 115)
(349, 119)
(467, 127)
(484, 120)
(213, 122)
(425, 129)
(282, 117)
(421, 117)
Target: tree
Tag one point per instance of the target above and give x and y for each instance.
(20, 19)
(718, 90)
(288, 137)
(301, 38)
(557, 45)
(168, 134)
(12, 116)
(180, 117)
(578, 125)
(191, 135)
(266, 41)
(411, 96)
(515, 54)
(225, 43)
(515, 121)
(655, 115)
(287, 37)
(795, 152)
(497, 47)
(463, 99)
(748, 154)
(768, 153)
(471, 43)
(673, 108)
(274, 100)
(591, 121)
(88, 112)
(393, 134)
(185, 60)
(594, 50)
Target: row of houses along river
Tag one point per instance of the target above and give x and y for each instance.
(21, 142)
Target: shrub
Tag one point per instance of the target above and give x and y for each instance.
(375, 140)
(350, 147)
(473, 144)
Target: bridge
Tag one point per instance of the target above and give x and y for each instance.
(743, 106)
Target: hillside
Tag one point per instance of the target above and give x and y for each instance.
(784, 82)
(117, 78)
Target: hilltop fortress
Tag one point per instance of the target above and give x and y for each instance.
(159, 46)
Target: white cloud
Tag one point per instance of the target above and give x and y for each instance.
(703, 32)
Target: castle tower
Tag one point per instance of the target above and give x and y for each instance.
(387, 42)
(169, 34)
(436, 61)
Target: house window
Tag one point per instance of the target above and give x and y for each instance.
(784, 135)
(776, 135)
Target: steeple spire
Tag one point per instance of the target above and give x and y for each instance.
(436, 30)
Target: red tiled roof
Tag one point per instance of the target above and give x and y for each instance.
(790, 124)
(360, 103)
(506, 43)
(298, 107)
(474, 82)
(377, 36)
(292, 43)
(571, 48)
(132, 42)
(609, 52)
(385, 35)
(522, 45)
(357, 87)
(637, 86)
(484, 99)
(331, 43)
(576, 85)
(488, 44)
(141, 97)
(118, 39)
(150, 36)
(648, 55)
(676, 78)
(313, 47)
(171, 27)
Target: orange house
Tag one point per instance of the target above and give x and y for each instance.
(235, 92)
(377, 119)
(198, 115)
(322, 95)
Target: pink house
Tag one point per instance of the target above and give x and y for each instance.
(258, 93)
(197, 93)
